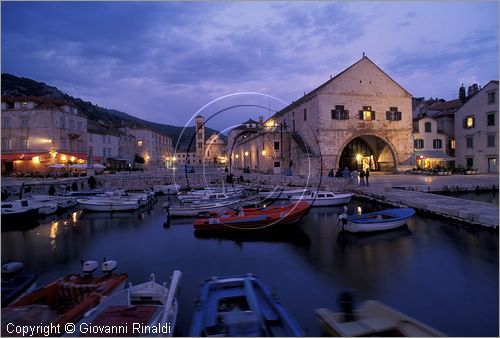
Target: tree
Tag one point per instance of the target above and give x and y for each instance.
(92, 182)
(138, 159)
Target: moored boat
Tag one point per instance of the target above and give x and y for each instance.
(253, 218)
(165, 189)
(323, 198)
(108, 204)
(376, 221)
(193, 209)
(152, 305)
(18, 211)
(373, 319)
(281, 193)
(64, 300)
(240, 306)
(15, 283)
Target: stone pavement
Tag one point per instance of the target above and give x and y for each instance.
(382, 190)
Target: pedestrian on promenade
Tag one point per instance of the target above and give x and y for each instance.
(338, 174)
(367, 174)
(330, 173)
(361, 177)
(355, 174)
(346, 174)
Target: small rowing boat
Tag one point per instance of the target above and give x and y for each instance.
(240, 306)
(376, 221)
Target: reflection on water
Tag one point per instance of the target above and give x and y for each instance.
(443, 274)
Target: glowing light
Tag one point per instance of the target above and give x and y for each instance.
(270, 123)
(139, 143)
(147, 157)
(360, 211)
(72, 158)
(174, 158)
(237, 156)
(246, 153)
(358, 157)
(74, 217)
(263, 153)
(53, 233)
(36, 159)
(63, 157)
(53, 154)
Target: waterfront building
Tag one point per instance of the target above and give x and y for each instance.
(103, 143)
(476, 130)
(430, 143)
(153, 147)
(38, 132)
(359, 118)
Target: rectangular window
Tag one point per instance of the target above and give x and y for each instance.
(63, 143)
(277, 164)
(428, 127)
(393, 114)
(276, 146)
(139, 143)
(25, 144)
(437, 144)
(367, 114)
(491, 140)
(469, 122)
(305, 114)
(6, 143)
(24, 122)
(491, 119)
(339, 113)
(62, 123)
(470, 162)
(419, 143)
(5, 122)
(469, 142)
(452, 143)
(492, 97)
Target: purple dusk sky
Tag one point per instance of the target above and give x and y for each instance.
(163, 61)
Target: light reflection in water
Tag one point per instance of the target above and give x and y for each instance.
(53, 233)
(360, 211)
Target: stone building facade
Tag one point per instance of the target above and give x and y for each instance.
(153, 147)
(38, 132)
(476, 131)
(359, 118)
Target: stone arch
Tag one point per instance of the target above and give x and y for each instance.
(381, 150)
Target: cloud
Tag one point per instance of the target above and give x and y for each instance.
(164, 60)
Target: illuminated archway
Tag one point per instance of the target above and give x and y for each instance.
(367, 151)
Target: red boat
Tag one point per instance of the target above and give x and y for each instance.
(63, 301)
(253, 218)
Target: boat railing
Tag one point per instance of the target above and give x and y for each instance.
(172, 294)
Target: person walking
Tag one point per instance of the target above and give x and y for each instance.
(367, 174)
(361, 177)
(355, 174)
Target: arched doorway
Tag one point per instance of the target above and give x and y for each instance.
(367, 152)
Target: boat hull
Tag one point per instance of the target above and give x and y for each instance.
(103, 205)
(255, 218)
(193, 211)
(255, 306)
(378, 221)
(339, 199)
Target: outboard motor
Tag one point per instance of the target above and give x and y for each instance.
(108, 266)
(89, 267)
(346, 303)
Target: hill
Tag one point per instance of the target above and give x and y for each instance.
(110, 118)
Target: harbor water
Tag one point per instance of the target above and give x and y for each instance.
(443, 274)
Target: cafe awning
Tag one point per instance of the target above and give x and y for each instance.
(434, 155)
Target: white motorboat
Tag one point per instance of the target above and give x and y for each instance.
(63, 202)
(376, 221)
(207, 197)
(151, 305)
(142, 198)
(373, 319)
(108, 204)
(164, 189)
(323, 198)
(280, 193)
(193, 209)
(20, 210)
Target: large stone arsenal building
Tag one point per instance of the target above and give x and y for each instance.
(359, 118)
